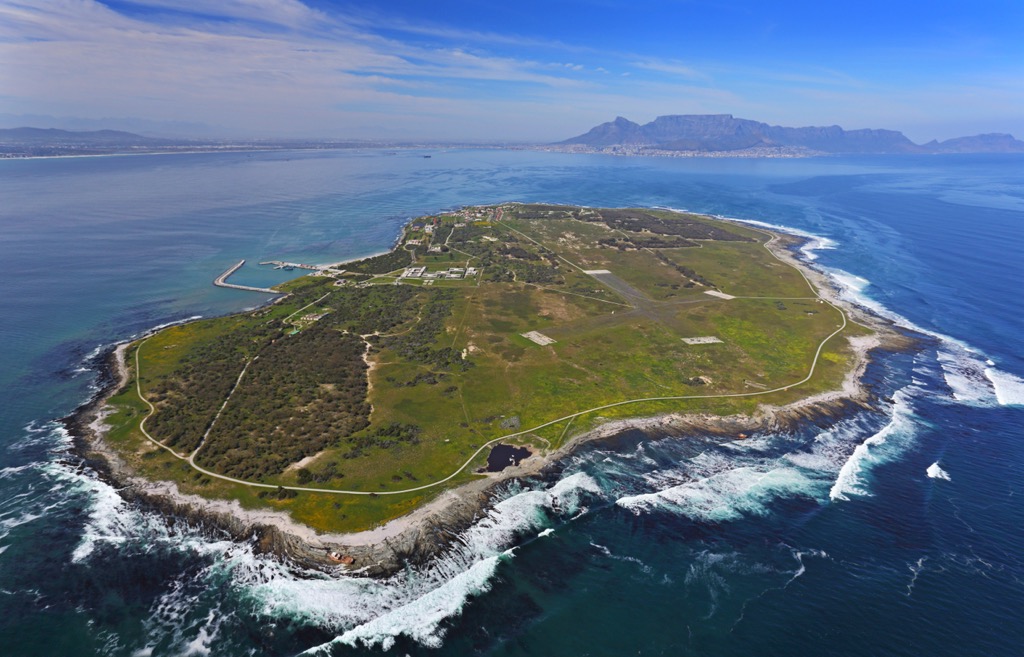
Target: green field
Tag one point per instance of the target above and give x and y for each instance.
(386, 379)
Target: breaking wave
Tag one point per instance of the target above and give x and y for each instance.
(727, 482)
(1008, 388)
(971, 376)
(726, 493)
(723, 483)
(878, 448)
(414, 604)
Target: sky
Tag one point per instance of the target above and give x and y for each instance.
(522, 71)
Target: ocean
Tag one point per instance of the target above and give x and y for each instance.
(894, 530)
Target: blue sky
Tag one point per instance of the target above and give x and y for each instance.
(519, 71)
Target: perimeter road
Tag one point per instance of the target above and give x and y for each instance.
(190, 459)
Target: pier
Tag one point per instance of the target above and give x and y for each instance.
(222, 281)
(290, 265)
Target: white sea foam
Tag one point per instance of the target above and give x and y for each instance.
(420, 619)
(965, 374)
(731, 481)
(1009, 388)
(726, 495)
(415, 603)
(176, 322)
(362, 611)
(935, 472)
(872, 451)
(971, 376)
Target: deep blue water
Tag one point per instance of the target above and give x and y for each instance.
(894, 531)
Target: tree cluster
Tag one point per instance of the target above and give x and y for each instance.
(418, 345)
(301, 395)
(387, 262)
(387, 437)
(637, 221)
(684, 270)
(187, 401)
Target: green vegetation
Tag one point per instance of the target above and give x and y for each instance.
(393, 381)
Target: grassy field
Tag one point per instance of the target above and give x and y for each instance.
(446, 367)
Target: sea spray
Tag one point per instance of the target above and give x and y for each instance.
(420, 619)
(1008, 388)
(416, 602)
(936, 472)
(972, 377)
(877, 448)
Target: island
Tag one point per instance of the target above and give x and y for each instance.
(369, 412)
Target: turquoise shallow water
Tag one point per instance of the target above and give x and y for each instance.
(894, 531)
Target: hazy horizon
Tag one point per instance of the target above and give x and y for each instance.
(463, 71)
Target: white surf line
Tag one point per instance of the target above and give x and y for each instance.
(334, 491)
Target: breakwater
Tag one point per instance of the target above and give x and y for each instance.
(222, 281)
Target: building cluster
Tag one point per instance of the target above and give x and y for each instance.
(452, 273)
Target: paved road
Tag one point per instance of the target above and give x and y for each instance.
(191, 458)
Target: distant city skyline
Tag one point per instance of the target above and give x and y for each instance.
(521, 72)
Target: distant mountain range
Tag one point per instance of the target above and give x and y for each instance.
(41, 142)
(54, 137)
(723, 132)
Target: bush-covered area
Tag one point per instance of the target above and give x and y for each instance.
(646, 241)
(518, 252)
(417, 345)
(540, 211)
(387, 437)
(637, 221)
(469, 239)
(382, 264)
(375, 309)
(529, 272)
(304, 393)
(684, 270)
(441, 232)
(188, 401)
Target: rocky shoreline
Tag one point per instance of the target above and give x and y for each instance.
(431, 529)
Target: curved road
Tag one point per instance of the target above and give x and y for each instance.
(191, 457)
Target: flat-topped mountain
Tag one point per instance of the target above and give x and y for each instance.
(723, 132)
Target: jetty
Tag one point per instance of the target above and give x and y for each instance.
(278, 264)
(222, 281)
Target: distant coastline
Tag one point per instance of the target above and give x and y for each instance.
(689, 136)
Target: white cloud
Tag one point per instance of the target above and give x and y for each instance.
(672, 67)
(283, 67)
(82, 55)
(289, 13)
